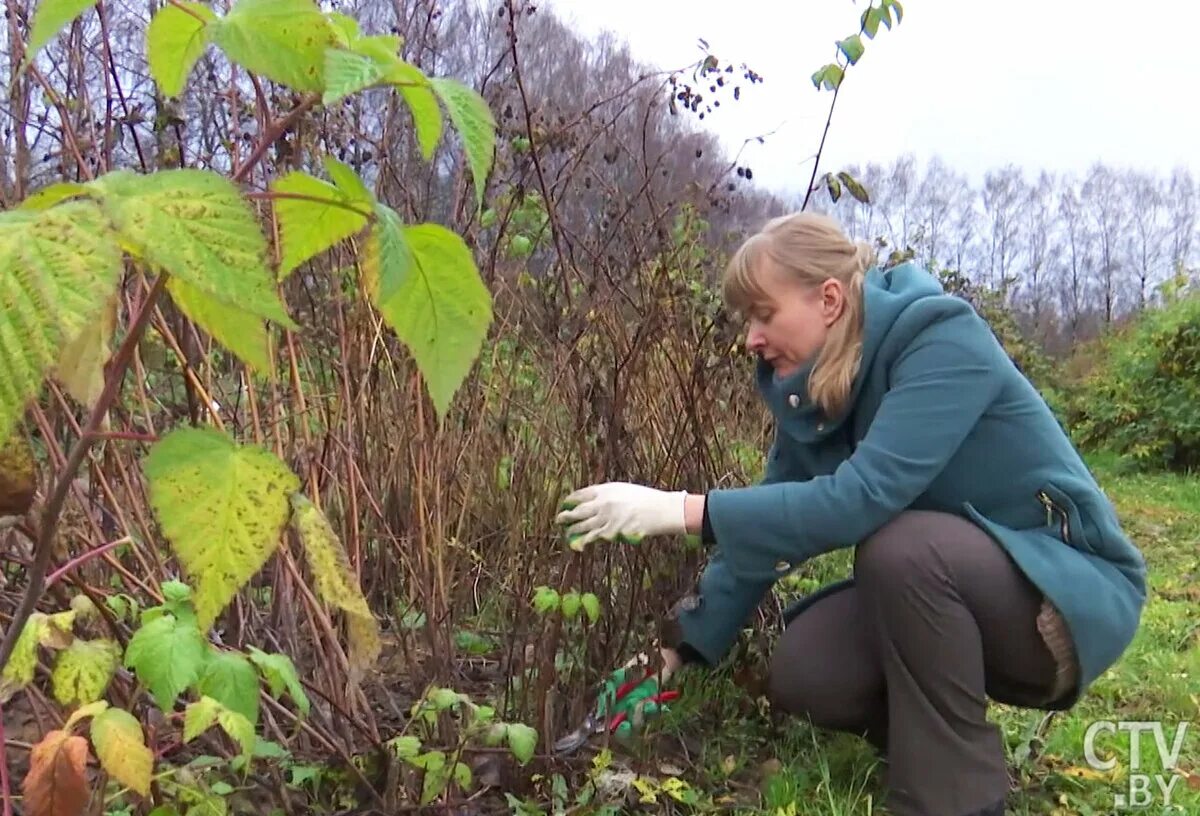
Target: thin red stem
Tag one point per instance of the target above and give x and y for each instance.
(84, 558)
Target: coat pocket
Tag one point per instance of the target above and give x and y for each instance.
(1062, 514)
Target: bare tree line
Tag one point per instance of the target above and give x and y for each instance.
(1071, 253)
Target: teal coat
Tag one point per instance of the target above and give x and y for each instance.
(940, 420)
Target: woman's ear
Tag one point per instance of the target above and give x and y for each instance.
(833, 300)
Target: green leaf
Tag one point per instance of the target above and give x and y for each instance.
(870, 21)
(195, 225)
(347, 72)
(441, 310)
(58, 268)
(51, 17)
(545, 599)
(570, 605)
(167, 656)
(345, 26)
(121, 749)
(389, 260)
(243, 333)
(522, 740)
(591, 606)
(349, 184)
(405, 747)
(856, 190)
(310, 225)
(336, 582)
(422, 103)
(899, 9)
(852, 47)
(284, 40)
(198, 717)
(230, 680)
(48, 196)
(280, 673)
(829, 77)
(222, 506)
(462, 776)
(175, 591)
(83, 670)
(240, 730)
(475, 125)
(175, 39)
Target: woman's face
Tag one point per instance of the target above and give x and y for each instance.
(791, 324)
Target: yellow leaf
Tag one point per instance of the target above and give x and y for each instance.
(56, 784)
(81, 364)
(122, 749)
(199, 717)
(82, 671)
(89, 710)
(336, 583)
(17, 483)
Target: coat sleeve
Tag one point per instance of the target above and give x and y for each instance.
(723, 602)
(940, 386)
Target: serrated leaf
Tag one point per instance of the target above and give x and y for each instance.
(422, 103)
(320, 217)
(441, 310)
(83, 712)
(57, 634)
(475, 124)
(81, 365)
(828, 77)
(852, 47)
(230, 680)
(591, 606)
(405, 747)
(522, 741)
(242, 332)
(389, 260)
(22, 663)
(195, 225)
(347, 72)
(895, 4)
(222, 506)
(175, 39)
(280, 673)
(56, 193)
(56, 784)
(462, 776)
(57, 269)
(51, 17)
(18, 482)
(336, 583)
(121, 749)
(83, 670)
(167, 655)
(284, 40)
(198, 717)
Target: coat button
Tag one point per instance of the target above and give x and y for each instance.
(820, 426)
(794, 400)
(783, 566)
(690, 603)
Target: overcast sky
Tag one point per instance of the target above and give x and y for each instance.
(1044, 84)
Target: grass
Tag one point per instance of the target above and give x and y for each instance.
(727, 751)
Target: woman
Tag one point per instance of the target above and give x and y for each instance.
(987, 561)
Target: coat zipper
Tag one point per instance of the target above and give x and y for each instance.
(1051, 508)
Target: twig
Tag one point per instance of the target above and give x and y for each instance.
(85, 557)
(277, 129)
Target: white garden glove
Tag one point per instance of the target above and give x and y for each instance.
(621, 511)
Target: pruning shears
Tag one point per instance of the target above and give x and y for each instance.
(598, 721)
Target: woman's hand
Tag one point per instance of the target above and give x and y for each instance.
(625, 511)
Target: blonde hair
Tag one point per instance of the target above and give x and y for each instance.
(810, 248)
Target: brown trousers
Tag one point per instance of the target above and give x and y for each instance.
(938, 620)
